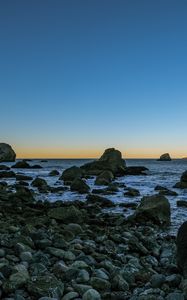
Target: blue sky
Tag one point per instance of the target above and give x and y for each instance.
(78, 76)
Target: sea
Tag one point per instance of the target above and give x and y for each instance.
(160, 173)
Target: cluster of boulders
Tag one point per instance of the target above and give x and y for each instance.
(64, 251)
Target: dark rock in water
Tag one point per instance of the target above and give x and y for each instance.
(160, 188)
(36, 167)
(7, 174)
(21, 165)
(154, 208)
(54, 173)
(44, 160)
(23, 177)
(165, 157)
(104, 178)
(24, 183)
(39, 182)
(183, 182)
(4, 168)
(67, 214)
(3, 185)
(182, 248)
(164, 191)
(182, 203)
(71, 173)
(111, 160)
(80, 186)
(132, 205)
(136, 170)
(131, 192)
(167, 192)
(101, 201)
(6, 153)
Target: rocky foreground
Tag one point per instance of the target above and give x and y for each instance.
(80, 250)
(76, 251)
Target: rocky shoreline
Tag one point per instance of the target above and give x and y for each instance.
(79, 250)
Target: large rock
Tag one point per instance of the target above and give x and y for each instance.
(165, 157)
(71, 173)
(67, 215)
(183, 182)
(104, 178)
(6, 153)
(111, 160)
(78, 185)
(155, 208)
(136, 170)
(182, 248)
(22, 164)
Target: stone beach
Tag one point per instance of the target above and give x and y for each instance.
(79, 250)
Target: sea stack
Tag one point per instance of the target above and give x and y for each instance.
(165, 157)
(6, 153)
(111, 160)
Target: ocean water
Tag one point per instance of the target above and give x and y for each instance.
(160, 173)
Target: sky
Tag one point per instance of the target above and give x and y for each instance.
(79, 76)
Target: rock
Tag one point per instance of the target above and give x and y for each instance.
(165, 157)
(164, 191)
(71, 174)
(155, 208)
(21, 165)
(157, 280)
(182, 248)
(101, 201)
(70, 296)
(4, 168)
(68, 214)
(46, 285)
(100, 284)
(41, 184)
(23, 177)
(136, 170)
(175, 296)
(6, 153)
(54, 173)
(91, 294)
(17, 279)
(80, 186)
(105, 178)
(182, 203)
(111, 160)
(131, 192)
(183, 182)
(7, 174)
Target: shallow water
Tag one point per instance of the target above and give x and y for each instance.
(160, 173)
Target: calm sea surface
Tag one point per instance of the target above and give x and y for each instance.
(160, 173)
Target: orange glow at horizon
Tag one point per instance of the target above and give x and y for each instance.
(57, 153)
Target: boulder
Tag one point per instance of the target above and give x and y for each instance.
(165, 157)
(182, 203)
(71, 173)
(21, 165)
(111, 160)
(80, 186)
(155, 208)
(6, 153)
(67, 215)
(136, 170)
(182, 248)
(131, 192)
(182, 184)
(41, 184)
(4, 168)
(101, 201)
(7, 174)
(104, 178)
(54, 173)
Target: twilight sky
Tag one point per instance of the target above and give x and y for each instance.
(78, 76)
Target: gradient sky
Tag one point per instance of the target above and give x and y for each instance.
(78, 76)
